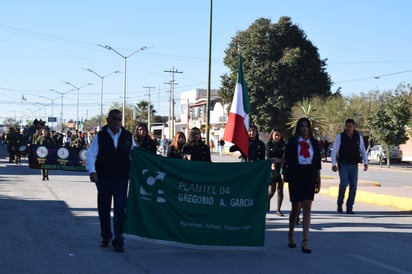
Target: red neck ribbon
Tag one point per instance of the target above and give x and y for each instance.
(304, 149)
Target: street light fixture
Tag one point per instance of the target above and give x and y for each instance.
(52, 103)
(44, 105)
(61, 111)
(125, 66)
(78, 94)
(101, 91)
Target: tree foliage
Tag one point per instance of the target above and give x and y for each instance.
(281, 67)
(307, 108)
(141, 111)
(389, 122)
(136, 113)
(11, 122)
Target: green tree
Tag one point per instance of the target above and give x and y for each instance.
(129, 120)
(141, 110)
(388, 123)
(281, 67)
(11, 122)
(307, 109)
(93, 122)
(333, 110)
(136, 113)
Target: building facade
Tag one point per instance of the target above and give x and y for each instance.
(193, 113)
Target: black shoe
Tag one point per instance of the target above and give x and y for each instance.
(117, 246)
(105, 243)
(340, 209)
(279, 213)
(298, 221)
(44, 178)
(305, 250)
(47, 177)
(350, 212)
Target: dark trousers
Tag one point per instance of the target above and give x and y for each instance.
(108, 188)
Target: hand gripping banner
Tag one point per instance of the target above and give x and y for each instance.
(197, 204)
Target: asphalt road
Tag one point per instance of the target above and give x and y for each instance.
(52, 227)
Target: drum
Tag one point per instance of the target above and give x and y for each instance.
(23, 150)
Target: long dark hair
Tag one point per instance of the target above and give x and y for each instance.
(137, 136)
(256, 129)
(191, 140)
(298, 125)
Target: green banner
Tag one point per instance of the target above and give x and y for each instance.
(197, 203)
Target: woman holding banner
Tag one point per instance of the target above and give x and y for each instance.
(175, 150)
(143, 139)
(195, 149)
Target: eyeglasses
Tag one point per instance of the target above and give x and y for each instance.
(116, 119)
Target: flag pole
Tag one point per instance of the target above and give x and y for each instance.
(208, 76)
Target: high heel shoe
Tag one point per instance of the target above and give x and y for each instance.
(305, 250)
(291, 242)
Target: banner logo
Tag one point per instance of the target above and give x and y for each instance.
(150, 189)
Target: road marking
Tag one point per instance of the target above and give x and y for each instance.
(376, 263)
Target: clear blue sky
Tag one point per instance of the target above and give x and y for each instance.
(45, 43)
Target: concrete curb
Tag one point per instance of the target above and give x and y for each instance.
(402, 203)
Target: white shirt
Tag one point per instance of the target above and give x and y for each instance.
(336, 147)
(302, 160)
(93, 149)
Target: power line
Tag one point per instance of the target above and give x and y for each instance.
(374, 77)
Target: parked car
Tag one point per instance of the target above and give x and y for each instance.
(378, 154)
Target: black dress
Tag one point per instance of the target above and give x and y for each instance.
(301, 178)
(275, 150)
(173, 152)
(199, 152)
(146, 143)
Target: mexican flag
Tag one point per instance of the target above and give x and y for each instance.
(236, 130)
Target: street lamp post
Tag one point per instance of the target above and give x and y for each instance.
(124, 79)
(149, 111)
(52, 103)
(44, 105)
(101, 92)
(78, 95)
(61, 110)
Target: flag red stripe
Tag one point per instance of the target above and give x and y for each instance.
(235, 132)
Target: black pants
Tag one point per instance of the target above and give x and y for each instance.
(108, 188)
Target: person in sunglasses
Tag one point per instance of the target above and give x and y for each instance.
(108, 164)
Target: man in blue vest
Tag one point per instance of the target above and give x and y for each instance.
(108, 164)
(349, 147)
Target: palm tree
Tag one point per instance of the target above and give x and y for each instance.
(306, 109)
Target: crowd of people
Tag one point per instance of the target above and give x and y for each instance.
(19, 141)
(296, 161)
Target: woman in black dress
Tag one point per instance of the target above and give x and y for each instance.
(143, 139)
(275, 151)
(195, 149)
(302, 156)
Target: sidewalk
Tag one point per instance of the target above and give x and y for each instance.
(367, 192)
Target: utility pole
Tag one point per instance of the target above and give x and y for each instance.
(172, 101)
(149, 111)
